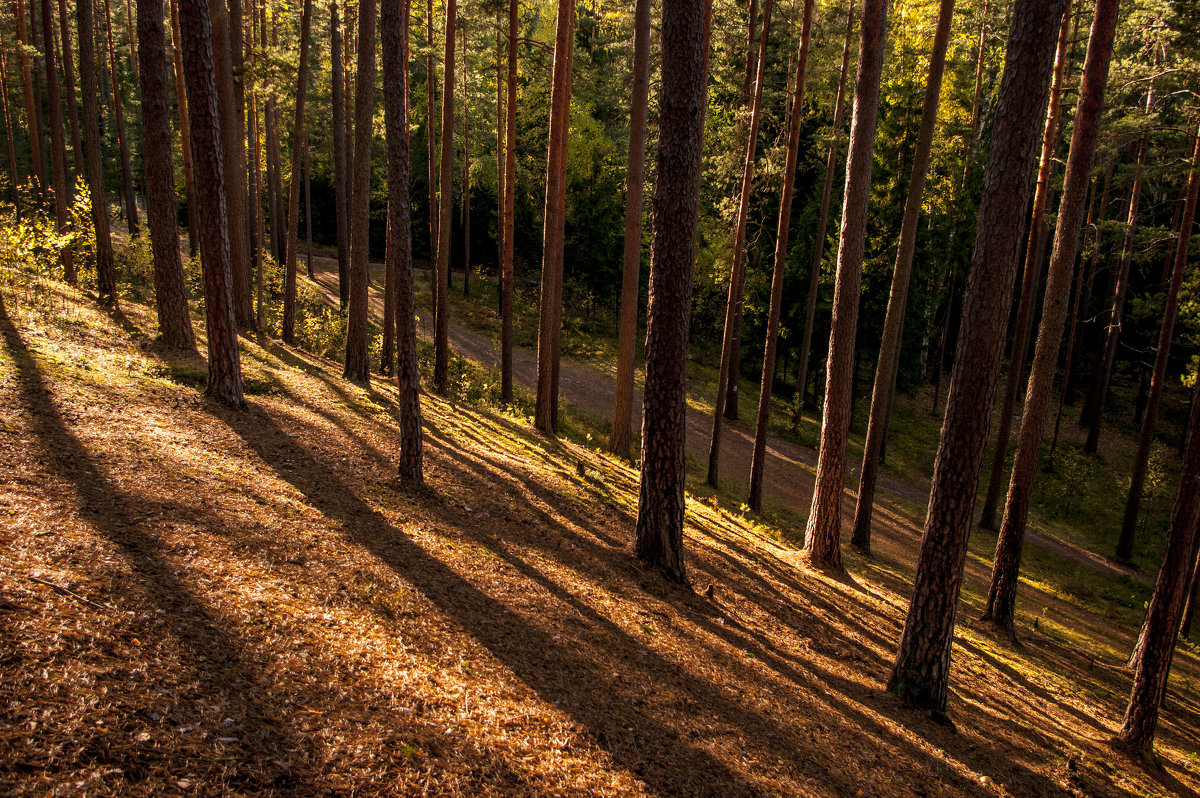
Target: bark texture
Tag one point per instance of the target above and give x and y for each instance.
(921, 670)
(510, 175)
(357, 365)
(131, 209)
(299, 140)
(106, 276)
(441, 321)
(341, 208)
(58, 141)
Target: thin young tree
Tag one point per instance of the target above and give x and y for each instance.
(1189, 611)
(8, 134)
(58, 141)
(68, 73)
(224, 363)
(682, 100)
(256, 188)
(1002, 594)
(298, 150)
(822, 546)
(1156, 645)
(883, 392)
(1141, 460)
(357, 366)
(550, 315)
(510, 176)
(106, 276)
(814, 276)
(1031, 279)
(341, 208)
(431, 149)
(728, 374)
(466, 195)
(499, 148)
(393, 25)
(185, 135)
(170, 292)
(441, 320)
(920, 672)
(635, 183)
(131, 209)
(33, 110)
(759, 454)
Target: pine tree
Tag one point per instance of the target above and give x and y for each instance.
(510, 167)
(58, 147)
(106, 277)
(441, 320)
(341, 206)
(298, 150)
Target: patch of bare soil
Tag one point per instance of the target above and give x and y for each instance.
(205, 601)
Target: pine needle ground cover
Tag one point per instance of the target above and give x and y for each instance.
(201, 601)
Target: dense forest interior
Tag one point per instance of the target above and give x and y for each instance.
(697, 397)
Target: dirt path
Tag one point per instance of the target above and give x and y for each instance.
(790, 467)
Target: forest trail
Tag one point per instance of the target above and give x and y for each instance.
(790, 467)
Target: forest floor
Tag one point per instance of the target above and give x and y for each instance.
(198, 600)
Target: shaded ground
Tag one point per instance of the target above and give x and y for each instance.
(249, 602)
(790, 467)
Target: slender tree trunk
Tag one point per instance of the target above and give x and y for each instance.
(510, 175)
(308, 203)
(1076, 308)
(185, 134)
(727, 376)
(499, 158)
(431, 152)
(1029, 283)
(256, 194)
(750, 71)
(393, 24)
(58, 142)
(133, 47)
(106, 276)
(635, 182)
(299, 132)
(441, 321)
(174, 323)
(8, 135)
(550, 317)
(224, 365)
(33, 113)
(921, 671)
(466, 210)
(234, 152)
(131, 209)
(759, 455)
(1156, 645)
(1189, 612)
(357, 367)
(1002, 595)
(1150, 416)
(893, 325)
(822, 545)
(342, 210)
(1093, 409)
(814, 276)
(685, 33)
(68, 61)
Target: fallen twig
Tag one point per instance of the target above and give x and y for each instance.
(68, 593)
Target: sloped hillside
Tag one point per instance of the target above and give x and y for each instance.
(204, 601)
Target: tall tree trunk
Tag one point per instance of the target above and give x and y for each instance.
(133, 47)
(635, 183)
(750, 70)
(1150, 417)
(224, 364)
(431, 151)
(441, 322)
(550, 316)
(393, 24)
(510, 174)
(256, 195)
(308, 257)
(1002, 595)
(466, 197)
(1093, 409)
(341, 209)
(1189, 612)
(185, 135)
(1078, 307)
(728, 374)
(499, 157)
(170, 293)
(8, 134)
(1029, 282)
(58, 142)
(131, 209)
(814, 276)
(234, 151)
(893, 326)
(298, 148)
(682, 100)
(921, 670)
(1156, 645)
(357, 367)
(68, 70)
(106, 276)
(759, 455)
(33, 113)
(822, 545)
